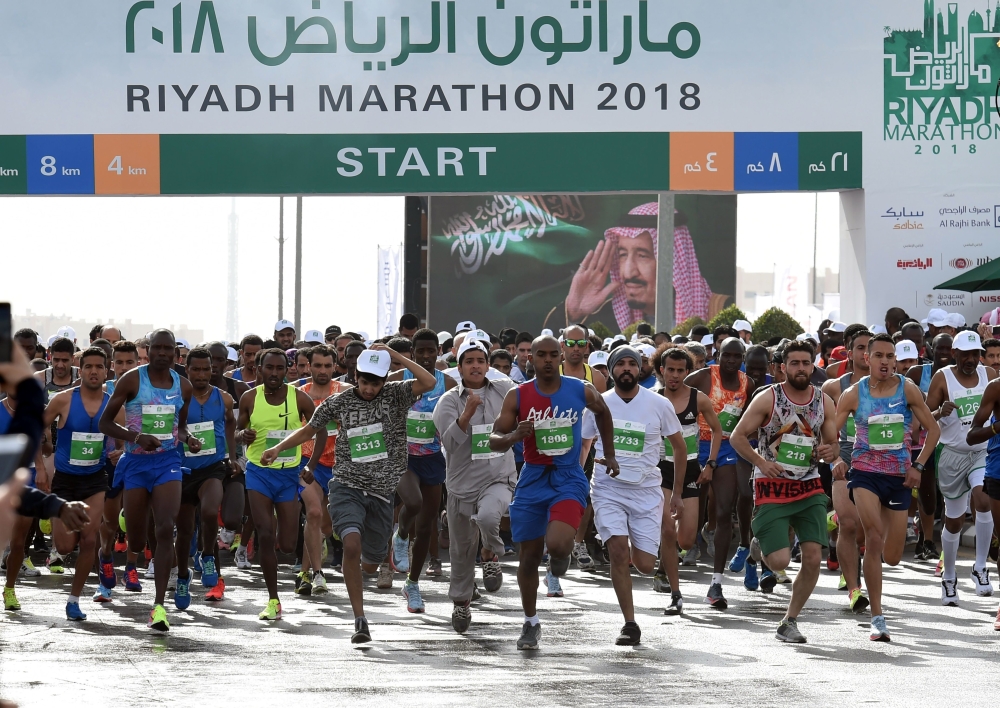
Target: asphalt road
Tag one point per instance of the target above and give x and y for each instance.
(222, 655)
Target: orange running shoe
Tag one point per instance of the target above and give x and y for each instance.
(215, 594)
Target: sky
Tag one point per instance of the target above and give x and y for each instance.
(163, 260)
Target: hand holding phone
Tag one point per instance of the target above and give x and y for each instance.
(6, 332)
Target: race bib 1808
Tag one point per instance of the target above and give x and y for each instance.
(554, 436)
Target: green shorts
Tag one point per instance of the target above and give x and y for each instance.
(807, 516)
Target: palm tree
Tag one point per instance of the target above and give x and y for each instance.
(888, 30)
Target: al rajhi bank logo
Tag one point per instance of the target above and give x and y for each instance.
(940, 81)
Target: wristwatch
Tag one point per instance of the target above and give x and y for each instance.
(918, 466)
(713, 464)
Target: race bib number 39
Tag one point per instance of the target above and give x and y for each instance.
(630, 438)
(795, 454)
(158, 421)
(554, 436)
(206, 433)
(367, 443)
(886, 432)
(85, 449)
(420, 428)
(481, 443)
(729, 416)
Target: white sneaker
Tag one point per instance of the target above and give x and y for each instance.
(172, 580)
(384, 581)
(28, 569)
(582, 556)
(226, 538)
(692, 556)
(319, 584)
(949, 592)
(783, 578)
(241, 559)
(981, 579)
(709, 538)
(150, 572)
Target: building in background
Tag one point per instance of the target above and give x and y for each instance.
(46, 326)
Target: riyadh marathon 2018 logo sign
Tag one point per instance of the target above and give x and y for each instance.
(941, 79)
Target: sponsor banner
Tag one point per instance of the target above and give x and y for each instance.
(390, 289)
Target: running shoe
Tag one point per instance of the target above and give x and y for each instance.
(29, 570)
(709, 538)
(102, 594)
(399, 555)
(783, 578)
(158, 619)
(755, 552)
(582, 556)
(54, 563)
(949, 592)
(531, 634)
(879, 632)
(691, 557)
(242, 562)
(796, 552)
(319, 583)
(196, 562)
(217, 592)
(338, 558)
(182, 595)
(297, 566)
(384, 581)
(209, 572)
(553, 586)
(911, 534)
(918, 551)
(361, 633)
(74, 613)
(411, 591)
(45, 526)
(981, 579)
(225, 539)
(172, 580)
(492, 575)
(272, 612)
(676, 604)
(237, 540)
(629, 636)
(940, 566)
(433, 568)
(120, 545)
(930, 550)
(150, 571)
(303, 586)
(106, 572)
(739, 559)
(509, 550)
(767, 581)
(10, 602)
(660, 582)
(461, 618)
(475, 591)
(715, 597)
(842, 583)
(251, 548)
(788, 631)
(132, 583)
(832, 564)
(857, 601)
(750, 580)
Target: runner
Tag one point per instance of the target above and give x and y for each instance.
(794, 424)
(522, 353)
(730, 390)
(547, 413)
(629, 503)
(284, 334)
(315, 496)
(955, 395)
(249, 347)
(268, 416)
(674, 364)
(883, 406)
(420, 486)
(906, 356)
(210, 420)
(371, 459)
(480, 482)
(986, 427)
(849, 535)
(156, 402)
(349, 361)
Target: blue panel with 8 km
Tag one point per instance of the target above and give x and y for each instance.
(767, 162)
(60, 164)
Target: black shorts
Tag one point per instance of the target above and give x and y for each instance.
(992, 488)
(191, 484)
(826, 478)
(691, 475)
(79, 487)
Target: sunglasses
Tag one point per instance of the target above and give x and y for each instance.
(577, 343)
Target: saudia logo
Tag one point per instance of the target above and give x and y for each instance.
(940, 80)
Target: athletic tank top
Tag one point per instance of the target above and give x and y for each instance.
(80, 447)
(52, 388)
(926, 374)
(888, 421)
(238, 375)
(207, 422)
(728, 405)
(848, 433)
(422, 437)
(231, 390)
(329, 456)
(588, 373)
(993, 455)
(790, 439)
(154, 411)
(272, 425)
(688, 419)
(558, 420)
(956, 426)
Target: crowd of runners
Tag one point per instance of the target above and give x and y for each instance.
(370, 458)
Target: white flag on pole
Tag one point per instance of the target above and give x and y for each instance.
(390, 289)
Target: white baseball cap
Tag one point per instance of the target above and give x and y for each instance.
(967, 342)
(618, 338)
(742, 326)
(374, 362)
(478, 335)
(472, 343)
(282, 325)
(646, 350)
(364, 335)
(465, 326)
(232, 354)
(598, 359)
(607, 342)
(546, 333)
(836, 327)
(878, 329)
(181, 342)
(66, 331)
(937, 318)
(314, 335)
(590, 333)
(956, 320)
(708, 340)
(443, 337)
(53, 338)
(906, 350)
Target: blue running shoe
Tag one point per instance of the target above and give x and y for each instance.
(132, 583)
(209, 572)
(750, 581)
(106, 572)
(554, 587)
(196, 563)
(739, 559)
(103, 594)
(74, 613)
(411, 591)
(399, 559)
(182, 595)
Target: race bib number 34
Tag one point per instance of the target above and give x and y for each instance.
(886, 432)
(85, 449)
(554, 436)
(158, 421)
(367, 443)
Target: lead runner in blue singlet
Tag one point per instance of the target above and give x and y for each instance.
(547, 414)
